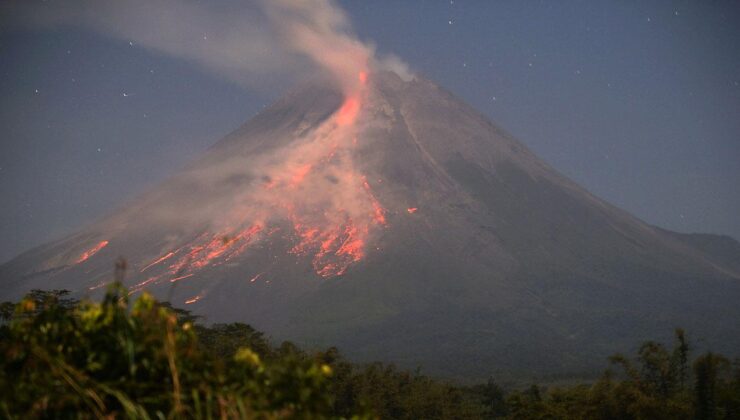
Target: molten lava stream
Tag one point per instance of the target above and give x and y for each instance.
(348, 112)
(194, 299)
(92, 251)
(159, 260)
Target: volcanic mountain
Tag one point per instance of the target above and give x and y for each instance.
(401, 225)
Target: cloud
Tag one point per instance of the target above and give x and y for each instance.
(251, 43)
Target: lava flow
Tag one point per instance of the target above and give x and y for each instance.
(334, 230)
(313, 184)
(159, 260)
(347, 114)
(92, 251)
(206, 251)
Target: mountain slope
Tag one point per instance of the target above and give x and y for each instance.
(403, 226)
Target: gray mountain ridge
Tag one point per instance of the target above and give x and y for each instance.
(476, 259)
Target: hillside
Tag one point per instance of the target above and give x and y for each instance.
(402, 226)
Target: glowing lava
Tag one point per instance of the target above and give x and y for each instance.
(313, 184)
(159, 260)
(193, 299)
(92, 251)
(299, 175)
(205, 251)
(333, 248)
(181, 277)
(412, 210)
(378, 210)
(348, 112)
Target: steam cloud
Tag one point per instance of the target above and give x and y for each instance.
(251, 43)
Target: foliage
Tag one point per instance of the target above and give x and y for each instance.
(66, 359)
(654, 386)
(63, 358)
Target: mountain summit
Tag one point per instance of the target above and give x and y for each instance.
(401, 225)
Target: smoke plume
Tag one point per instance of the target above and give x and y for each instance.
(251, 43)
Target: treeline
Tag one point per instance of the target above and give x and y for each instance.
(63, 358)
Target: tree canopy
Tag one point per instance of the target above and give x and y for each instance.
(63, 358)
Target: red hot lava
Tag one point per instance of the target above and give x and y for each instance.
(348, 112)
(92, 251)
(315, 185)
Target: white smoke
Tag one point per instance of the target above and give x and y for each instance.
(252, 43)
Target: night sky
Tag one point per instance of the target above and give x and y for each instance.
(637, 101)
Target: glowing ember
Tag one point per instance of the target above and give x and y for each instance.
(255, 278)
(92, 251)
(181, 277)
(412, 210)
(378, 211)
(140, 286)
(98, 286)
(159, 260)
(193, 299)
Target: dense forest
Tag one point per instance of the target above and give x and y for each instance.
(122, 358)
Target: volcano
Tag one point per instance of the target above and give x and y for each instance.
(399, 224)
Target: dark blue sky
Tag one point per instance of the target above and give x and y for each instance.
(637, 101)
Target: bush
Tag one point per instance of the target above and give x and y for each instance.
(67, 359)
(62, 358)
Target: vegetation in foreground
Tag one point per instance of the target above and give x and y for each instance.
(63, 358)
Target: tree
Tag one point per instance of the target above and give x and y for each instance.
(66, 359)
(707, 370)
